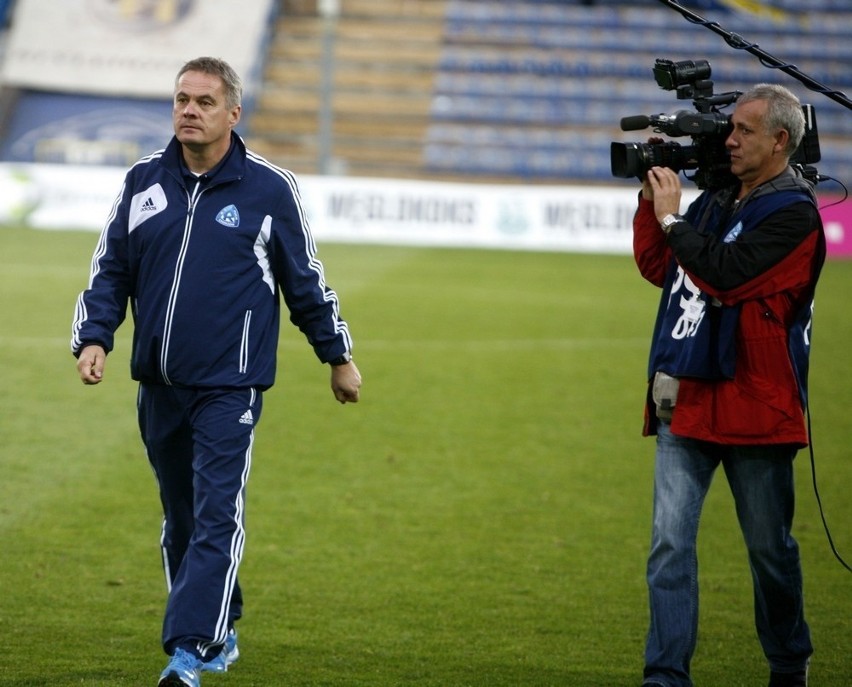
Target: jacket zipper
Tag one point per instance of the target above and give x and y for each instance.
(170, 309)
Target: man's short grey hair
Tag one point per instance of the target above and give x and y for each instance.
(783, 111)
(231, 81)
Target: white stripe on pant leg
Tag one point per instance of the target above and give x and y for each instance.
(167, 571)
(237, 546)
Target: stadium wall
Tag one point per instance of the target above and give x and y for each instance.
(595, 219)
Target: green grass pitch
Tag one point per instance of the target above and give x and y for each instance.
(480, 518)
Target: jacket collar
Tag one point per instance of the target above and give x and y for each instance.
(790, 179)
(230, 168)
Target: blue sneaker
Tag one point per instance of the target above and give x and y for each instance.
(184, 670)
(230, 653)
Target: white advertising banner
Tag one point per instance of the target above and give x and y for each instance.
(575, 218)
(594, 219)
(132, 47)
(362, 210)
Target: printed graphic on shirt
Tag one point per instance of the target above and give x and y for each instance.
(731, 236)
(145, 204)
(691, 304)
(229, 216)
(808, 326)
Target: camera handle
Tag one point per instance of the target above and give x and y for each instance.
(739, 43)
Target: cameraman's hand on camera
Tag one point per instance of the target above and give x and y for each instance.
(647, 190)
(665, 188)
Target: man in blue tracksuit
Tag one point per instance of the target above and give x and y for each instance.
(202, 238)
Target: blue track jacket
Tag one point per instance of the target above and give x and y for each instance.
(201, 261)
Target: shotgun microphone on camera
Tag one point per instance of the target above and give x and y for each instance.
(635, 123)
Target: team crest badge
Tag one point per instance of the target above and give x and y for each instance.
(229, 216)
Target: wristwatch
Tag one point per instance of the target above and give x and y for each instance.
(669, 221)
(341, 359)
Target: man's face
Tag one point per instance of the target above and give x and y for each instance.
(755, 152)
(201, 114)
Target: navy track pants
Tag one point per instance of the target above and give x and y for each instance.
(199, 443)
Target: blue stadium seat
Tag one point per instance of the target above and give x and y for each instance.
(537, 87)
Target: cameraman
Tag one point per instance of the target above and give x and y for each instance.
(727, 378)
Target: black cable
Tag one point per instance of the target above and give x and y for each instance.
(818, 499)
(739, 43)
(821, 178)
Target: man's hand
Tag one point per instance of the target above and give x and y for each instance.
(647, 190)
(90, 364)
(666, 188)
(346, 382)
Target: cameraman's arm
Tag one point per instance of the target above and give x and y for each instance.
(744, 268)
(650, 252)
(726, 269)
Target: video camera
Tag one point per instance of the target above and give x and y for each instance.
(708, 127)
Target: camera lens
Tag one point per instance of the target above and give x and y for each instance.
(635, 159)
(625, 159)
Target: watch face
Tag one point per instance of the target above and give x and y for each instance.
(668, 222)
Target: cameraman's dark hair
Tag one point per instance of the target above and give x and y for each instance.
(212, 65)
(783, 111)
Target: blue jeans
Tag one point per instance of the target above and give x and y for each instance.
(761, 481)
